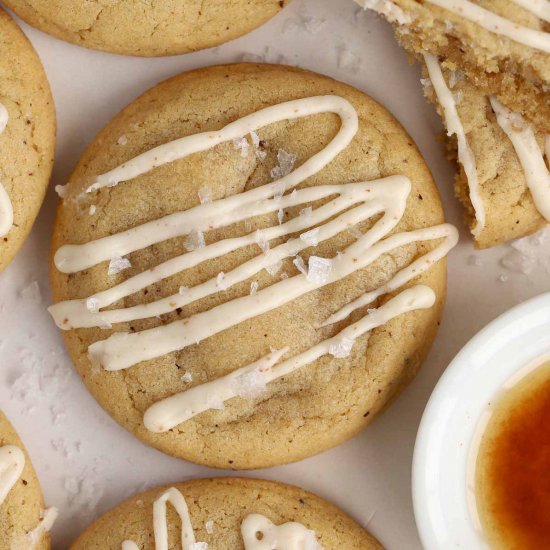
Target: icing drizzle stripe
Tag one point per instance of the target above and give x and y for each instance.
(12, 462)
(529, 153)
(289, 536)
(454, 126)
(6, 207)
(494, 23)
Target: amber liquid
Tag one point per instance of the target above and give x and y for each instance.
(513, 467)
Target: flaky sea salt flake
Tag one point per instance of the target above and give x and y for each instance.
(209, 525)
(342, 348)
(242, 145)
(253, 287)
(187, 377)
(195, 240)
(285, 165)
(300, 265)
(311, 237)
(118, 264)
(205, 196)
(31, 293)
(318, 270)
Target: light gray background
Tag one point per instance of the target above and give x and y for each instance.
(87, 463)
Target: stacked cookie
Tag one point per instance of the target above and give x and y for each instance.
(487, 69)
(249, 265)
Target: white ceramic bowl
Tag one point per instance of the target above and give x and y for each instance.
(456, 414)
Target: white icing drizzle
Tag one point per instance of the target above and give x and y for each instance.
(259, 533)
(12, 462)
(290, 536)
(492, 22)
(454, 126)
(541, 8)
(160, 522)
(353, 203)
(6, 207)
(178, 408)
(529, 153)
(45, 526)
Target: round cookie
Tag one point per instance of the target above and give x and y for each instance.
(313, 408)
(22, 509)
(27, 144)
(163, 27)
(217, 509)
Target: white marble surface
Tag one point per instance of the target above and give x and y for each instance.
(85, 461)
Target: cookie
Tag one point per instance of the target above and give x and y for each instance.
(27, 137)
(222, 513)
(24, 522)
(504, 182)
(258, 272)
(503, 46)
(162, 27)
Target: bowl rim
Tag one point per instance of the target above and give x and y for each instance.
(431, 424)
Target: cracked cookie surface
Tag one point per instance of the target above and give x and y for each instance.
(27, 145)
(217, 508)
(318, 406)
(147, 27)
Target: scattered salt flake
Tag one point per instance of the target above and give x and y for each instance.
(313, 25)
(122, 140)
(62, 191)
(250, 384)
(187, 377)
(248, 225)
(182, 290)
(92, 210)
(209, 525)
(284, 275)
(254, 287)
(280, 215)
(242, 145)
(215, 402)
(195, 240)
(348, 60)
(518, 262)
(273, 269)
(261, 155)
(318, 270)
(118, 264)
(311, 237)
(92, 304)
(455, 77)
(261, 242)
(205, 196)
(285, 165)
(306, 212)
(31, 293)
(475, 261)
(255, 139)
(300, 265)
(198, 546)
(279, 191)
(341, 348)
(220, 281)
(426, 83)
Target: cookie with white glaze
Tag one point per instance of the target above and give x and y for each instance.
(254, 326)
(24, 523)
(503, 179)
(503, 46)
(224, 513)
(27, 137)
(162, 27)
